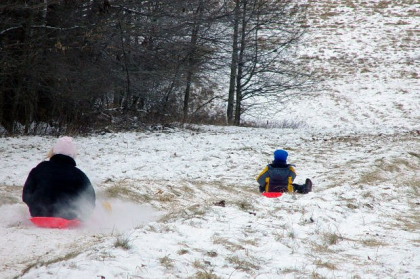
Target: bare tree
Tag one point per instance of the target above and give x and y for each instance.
(263, 33)
(67, 63)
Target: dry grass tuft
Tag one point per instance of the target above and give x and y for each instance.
(320, 248)
(8, 200)
(177, 212)
(331, 238)
(316, 275)
(166, 262)
(373, 177)
(166, 197)
(242, 264)
(372, 242)
(124, 190)
(39, 263)
(229, 245)
(325, 264)
(211, 254)
(182, 252)
(244, 205)
(409, 222)
(10, 194)
(122, 242)
(204, 274)
(413, 183)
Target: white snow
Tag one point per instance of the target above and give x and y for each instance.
(360, 147)
(349, 226)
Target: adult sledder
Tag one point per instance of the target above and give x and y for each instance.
(57, 193)
(277, 177)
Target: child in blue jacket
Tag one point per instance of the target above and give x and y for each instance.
(279, 176)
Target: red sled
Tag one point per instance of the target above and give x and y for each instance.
(54, 222)
(272, 194)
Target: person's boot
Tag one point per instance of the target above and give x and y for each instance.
(308, 186)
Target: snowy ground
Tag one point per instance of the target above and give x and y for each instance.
(360, 145)
(368, 54)
(361, 221)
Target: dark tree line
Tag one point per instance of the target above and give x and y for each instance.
(76, 64)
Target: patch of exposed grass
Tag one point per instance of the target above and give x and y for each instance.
(229, 245)
(337, 183)
(279, 124)
(325, 264)
(382, 5)
(368, 195)
(331, 238)
(204, 274)
(372, 177)
(252, 242)
(291, 233)
(316, 275)
(244, 205)
(123, 190)
(320, 248)
(39, 263)
(242, 264)
(410, 222)
(326, 15)
(10, 194)
(403, 162)
(372, 242)
(198, 264)
(417, 242)
(390, 167)
(8, 200)
(184, 190)
(351, 203)
(166, 262)
(122, 242)
(165, 197)
(182, 252)
(288, 270)
(350, 4)
(413, 184)
(278, 236)
(177, 212)
(211, 254)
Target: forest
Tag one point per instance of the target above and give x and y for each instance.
(76, 66)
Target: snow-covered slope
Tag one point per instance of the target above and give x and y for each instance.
(166, 188)
(368, 53)
(361, 149)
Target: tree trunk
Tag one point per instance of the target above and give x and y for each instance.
(126, 101)
(234, 64)
(240, 66)
(187, 95)
(192, 60)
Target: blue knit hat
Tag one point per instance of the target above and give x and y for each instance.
(280, 155)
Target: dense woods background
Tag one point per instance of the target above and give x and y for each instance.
(82, 65)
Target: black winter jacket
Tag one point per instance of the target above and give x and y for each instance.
(56, 188)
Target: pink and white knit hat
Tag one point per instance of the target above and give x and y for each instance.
(65, 146)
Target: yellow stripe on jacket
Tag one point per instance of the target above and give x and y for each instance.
(289, 184)
(263, 171)
(290, 181)
(267, 182)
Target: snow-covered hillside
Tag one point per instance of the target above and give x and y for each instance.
(361, 148)
(368, 53)
(361, 221)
